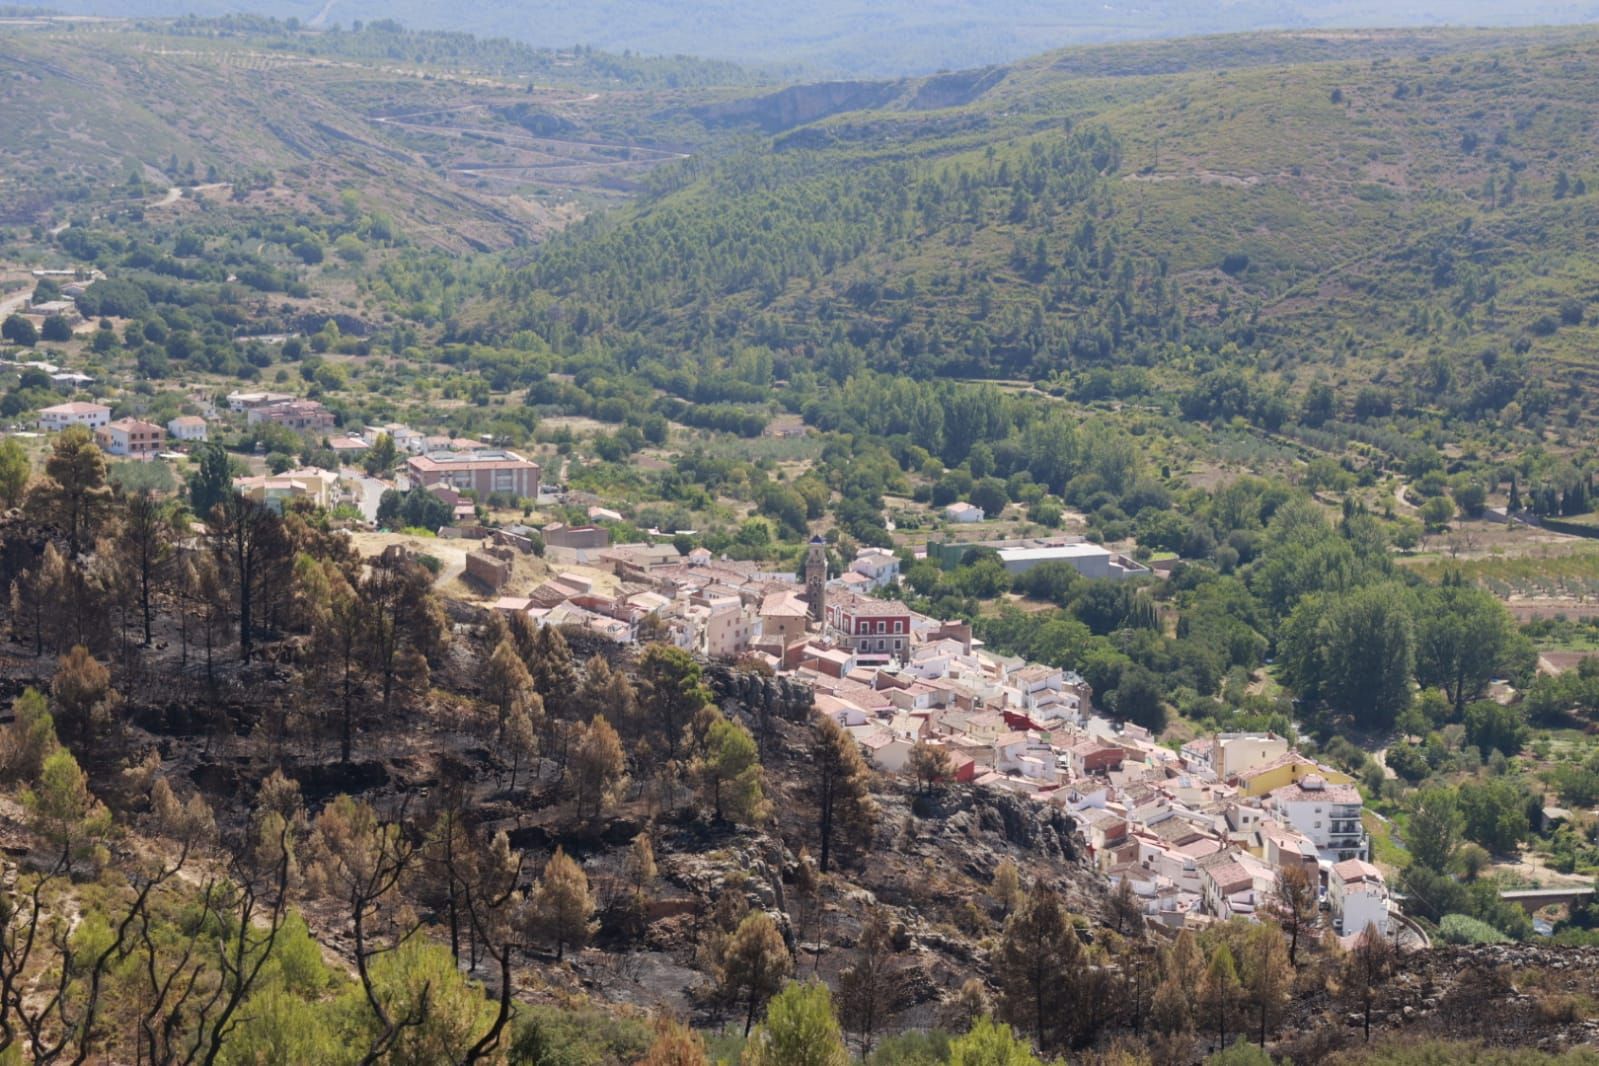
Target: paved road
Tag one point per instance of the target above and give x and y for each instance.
(368, 491)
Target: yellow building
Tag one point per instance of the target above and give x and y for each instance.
(1288, 769)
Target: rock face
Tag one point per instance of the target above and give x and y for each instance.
(799, 104)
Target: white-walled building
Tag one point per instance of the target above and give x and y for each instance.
(54, 419)
(878, 566)
(1235, 884)
(404, 437)
(1329, 814)
(187, 428)
(244, 401)
(963, 512)
(1358, 897)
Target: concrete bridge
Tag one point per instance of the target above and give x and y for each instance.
(1532, 900)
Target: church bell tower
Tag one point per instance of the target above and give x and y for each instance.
(816, 577)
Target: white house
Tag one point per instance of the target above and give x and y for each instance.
(404, 437)
(245, 401)
(885, 750)
(1358, 897)
(1329, 814)
(843, 712)
(62, 415)
(1234, 883)
(187, 428)
(878, 566)
(727, 627)
(963, 512)
(1050, 694)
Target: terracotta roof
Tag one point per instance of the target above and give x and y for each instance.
(1327, 793)
(1351, 870)
(131, 425)
(77, 407)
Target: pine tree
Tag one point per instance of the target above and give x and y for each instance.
(83, 694)
(521, 736)
(1008, 886)
(29, 738)
(991, 1044)
(1268, 974)
(74, 494)
(754, 963)
(840, 788)
(929, 766)
(608, 692)
(640, 865)
(15, 470)
(144, 550)
(597, 767)
(554, 675)
(1221, 990)
(671, 692)
(1366, 967)
(1296, 906)
(730, 774)
(561, 906)
(507, 683)
(1038, 967)
(247, 539)
(866, 987)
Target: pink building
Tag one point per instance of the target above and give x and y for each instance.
(130, 436)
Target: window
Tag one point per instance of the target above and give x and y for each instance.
(899, 626)
(882, 627)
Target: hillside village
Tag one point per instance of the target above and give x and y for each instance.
(1129, 579)
(1197, 835)
(1202, 834)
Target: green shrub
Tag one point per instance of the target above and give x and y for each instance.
(1464, 929)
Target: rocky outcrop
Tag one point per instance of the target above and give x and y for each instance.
(799, 104)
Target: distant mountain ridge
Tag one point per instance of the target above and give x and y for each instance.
(862, 37)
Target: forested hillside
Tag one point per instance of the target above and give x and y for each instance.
(1411, 228)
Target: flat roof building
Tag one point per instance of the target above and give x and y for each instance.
(486, 471)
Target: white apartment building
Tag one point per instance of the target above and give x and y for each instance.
(1328, 814)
